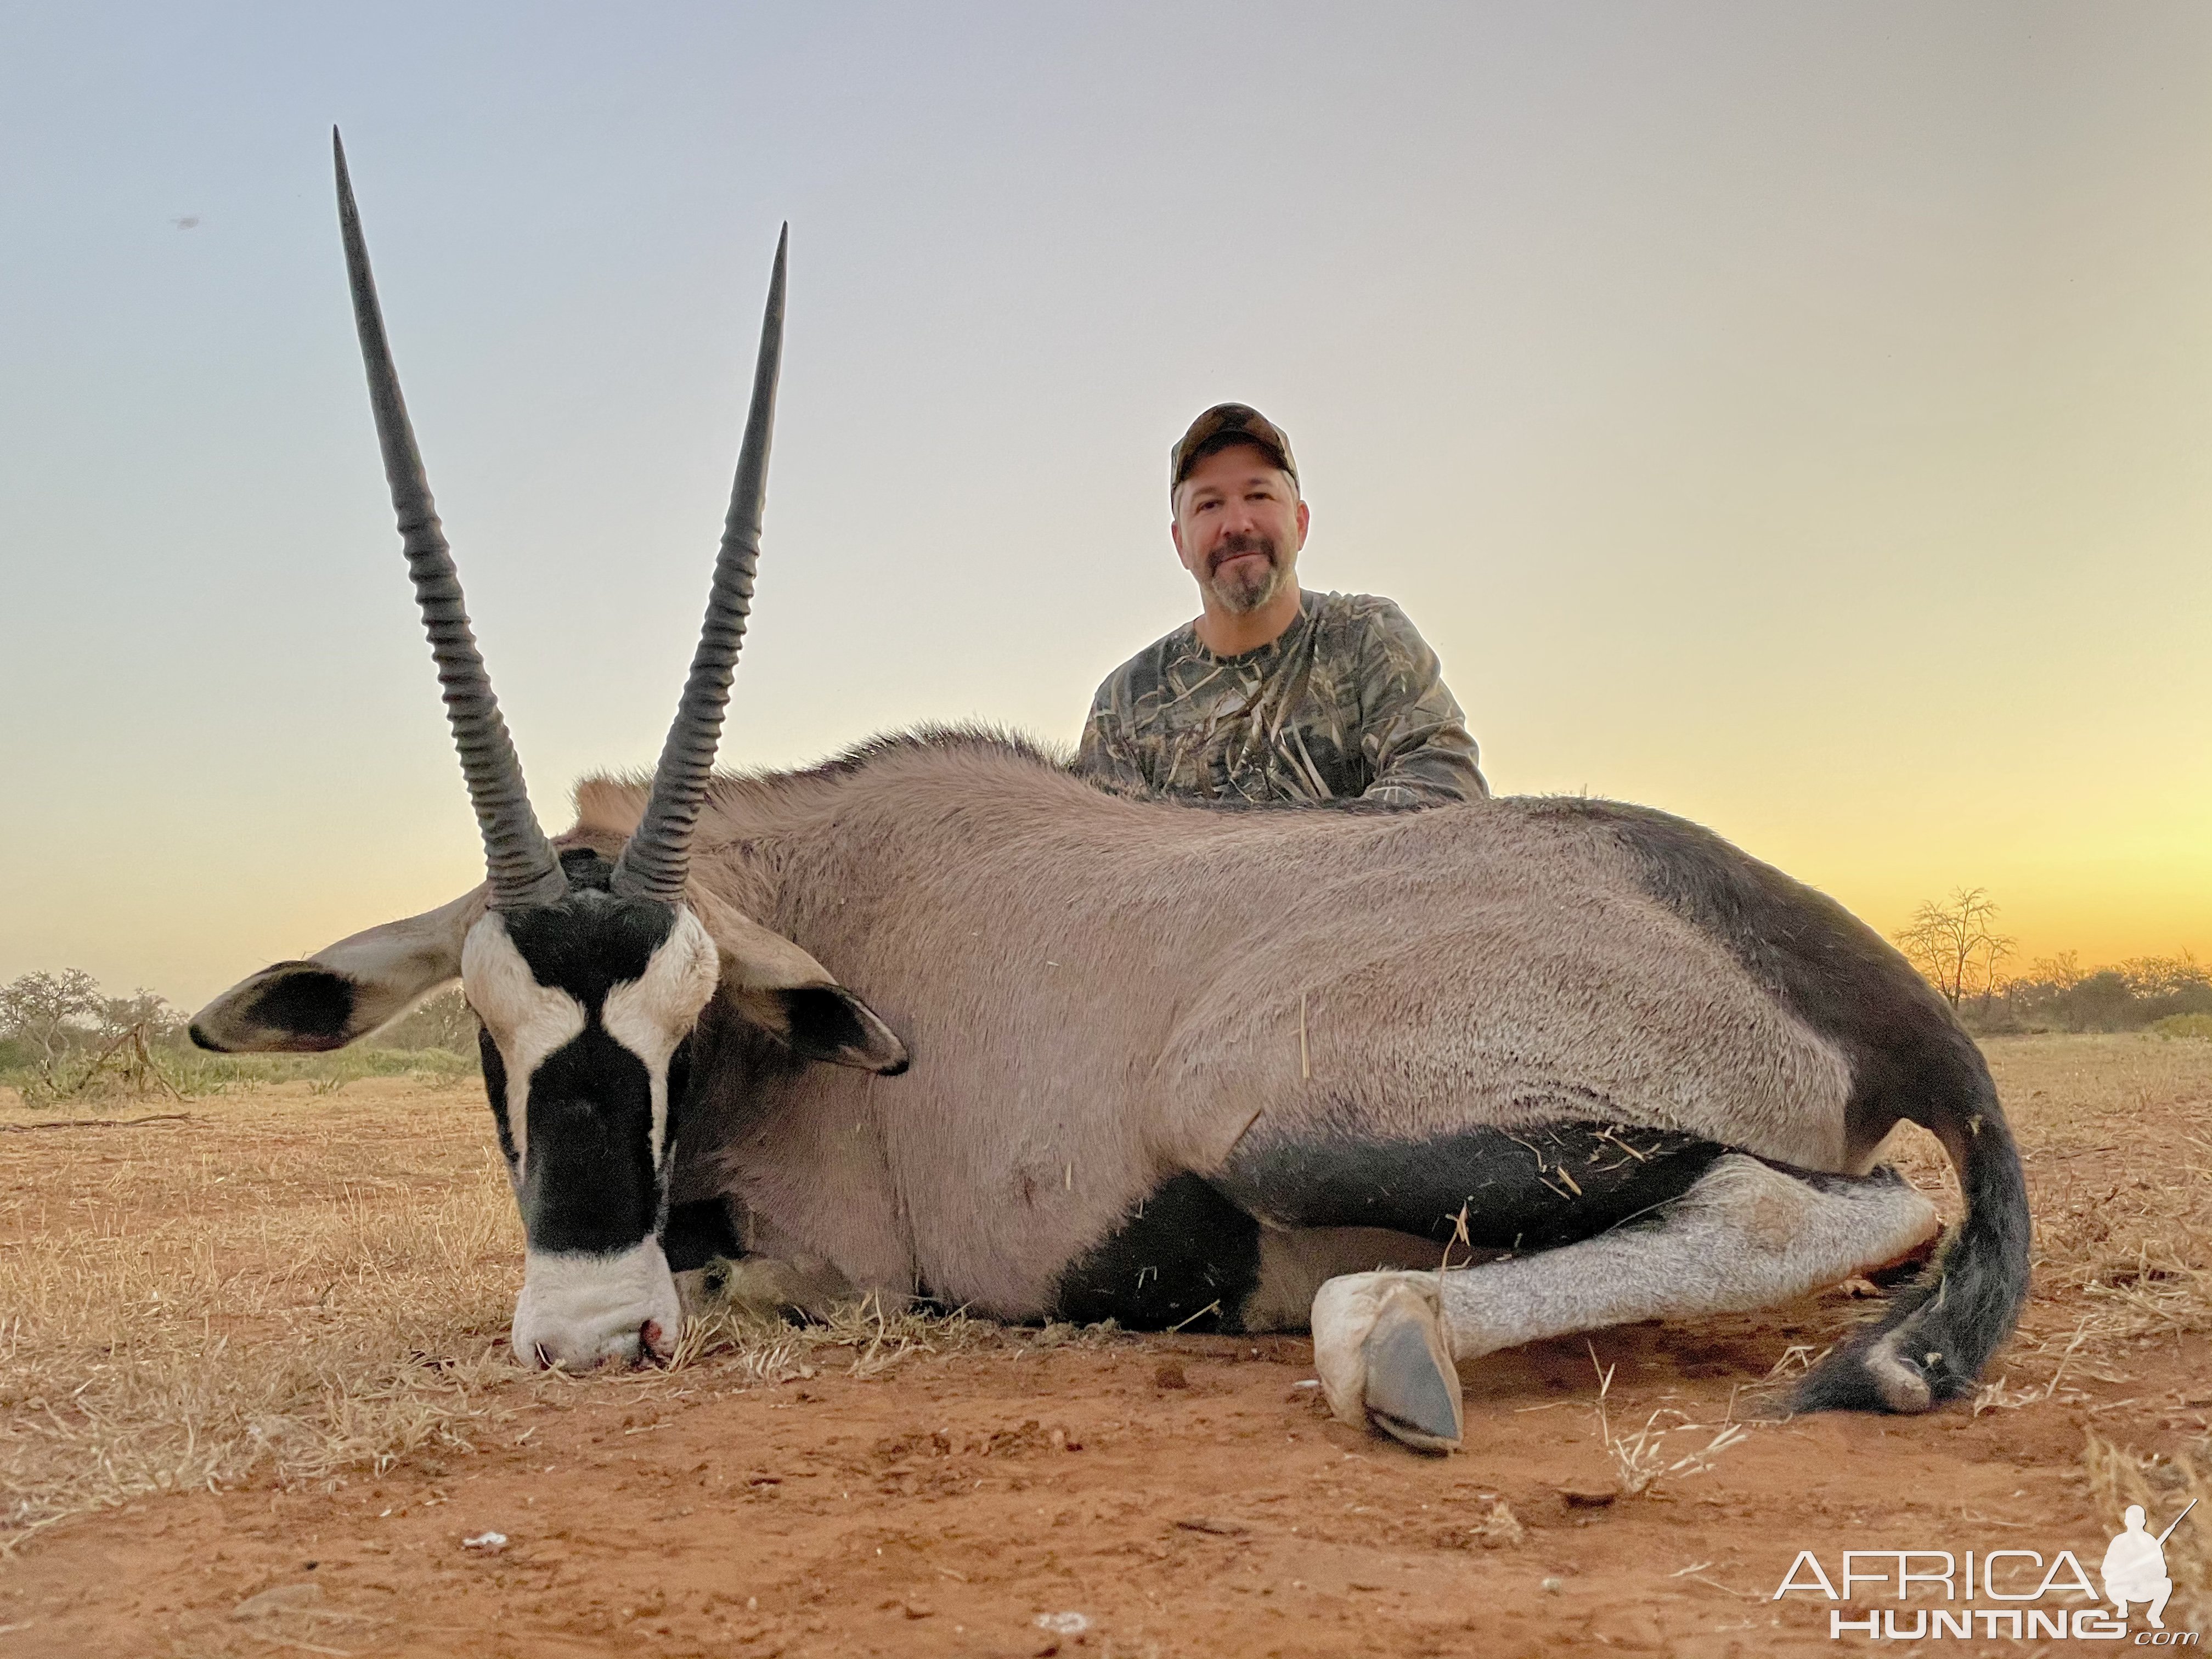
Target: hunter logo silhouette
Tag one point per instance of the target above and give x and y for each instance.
(2135, 1567)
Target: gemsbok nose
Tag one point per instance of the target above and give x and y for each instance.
(578, 1310)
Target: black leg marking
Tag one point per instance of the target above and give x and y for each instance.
(1529, 1188)
(1186, 1250)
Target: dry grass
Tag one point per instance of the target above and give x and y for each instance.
(1642, 1457)
(2118, 1477)
(275, 1284)
(171, 1073)
(2123, 1223)
(860, 1336)
(294, 1283)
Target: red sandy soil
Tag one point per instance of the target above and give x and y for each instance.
(944, 1510)
(1182, 1494)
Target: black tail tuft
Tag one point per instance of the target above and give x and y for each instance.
(1937, 1332)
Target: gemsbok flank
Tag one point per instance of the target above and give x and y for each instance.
(939, 1019)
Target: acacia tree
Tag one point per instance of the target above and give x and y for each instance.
(2062, 973)
(47, 1012)
(145, 1011)
(1956, 945)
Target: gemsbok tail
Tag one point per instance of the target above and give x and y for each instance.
(1938, 1330)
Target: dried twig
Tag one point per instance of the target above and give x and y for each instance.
(1640, 1459)
(100, 1123)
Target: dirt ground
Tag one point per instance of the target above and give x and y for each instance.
(330, 1273)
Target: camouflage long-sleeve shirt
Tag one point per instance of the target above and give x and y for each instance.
(1349, 701)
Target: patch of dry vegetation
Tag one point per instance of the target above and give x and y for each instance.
(1642, 1457)
(2123, 1259)
(2122, 1218)
(277, 1283)
(296, 1283)
(110, 1075)
(2120, 1477)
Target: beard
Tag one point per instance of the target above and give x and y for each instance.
(1245, 588)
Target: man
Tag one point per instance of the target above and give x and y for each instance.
(1272, 693)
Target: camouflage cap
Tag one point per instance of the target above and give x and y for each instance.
(1222, 427)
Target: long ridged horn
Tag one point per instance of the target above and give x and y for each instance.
(523, 869)
(659, 855)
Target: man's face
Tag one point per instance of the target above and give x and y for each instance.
(1238, 526)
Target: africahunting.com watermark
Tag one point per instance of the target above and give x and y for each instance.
(1995, 1595)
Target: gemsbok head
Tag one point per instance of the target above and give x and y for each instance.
(589, 974)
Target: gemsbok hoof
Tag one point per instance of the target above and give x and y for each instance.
(1384, 1361)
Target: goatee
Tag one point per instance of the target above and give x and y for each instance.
(1244, 588)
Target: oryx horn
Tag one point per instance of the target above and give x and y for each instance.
(523, 869)
(655, 863)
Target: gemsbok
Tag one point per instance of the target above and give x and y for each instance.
(939, 1018)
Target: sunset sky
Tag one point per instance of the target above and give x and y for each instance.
(1797, 417)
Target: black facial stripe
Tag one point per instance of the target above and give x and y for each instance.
(589, 1184)
(1184, 1247)
(678, 1093)
(495, 1077)
(591, 943)
(1531, 1188)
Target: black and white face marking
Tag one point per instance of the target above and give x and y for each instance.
(586, 1005)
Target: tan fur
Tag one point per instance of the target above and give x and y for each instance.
(1100, 993)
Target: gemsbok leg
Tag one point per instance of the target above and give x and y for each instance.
(1745, 1235)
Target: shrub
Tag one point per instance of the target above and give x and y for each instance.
(2184, 1025)
(444, 1022)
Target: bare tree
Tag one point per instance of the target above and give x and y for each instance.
(2151, 977)
(2062, 973)
(1955, 943)
(48, 1012)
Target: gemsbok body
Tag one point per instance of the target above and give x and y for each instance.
(939, 1018)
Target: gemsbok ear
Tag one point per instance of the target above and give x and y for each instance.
(773, 984)
(343, 992)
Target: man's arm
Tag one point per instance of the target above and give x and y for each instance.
(1412, 732)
